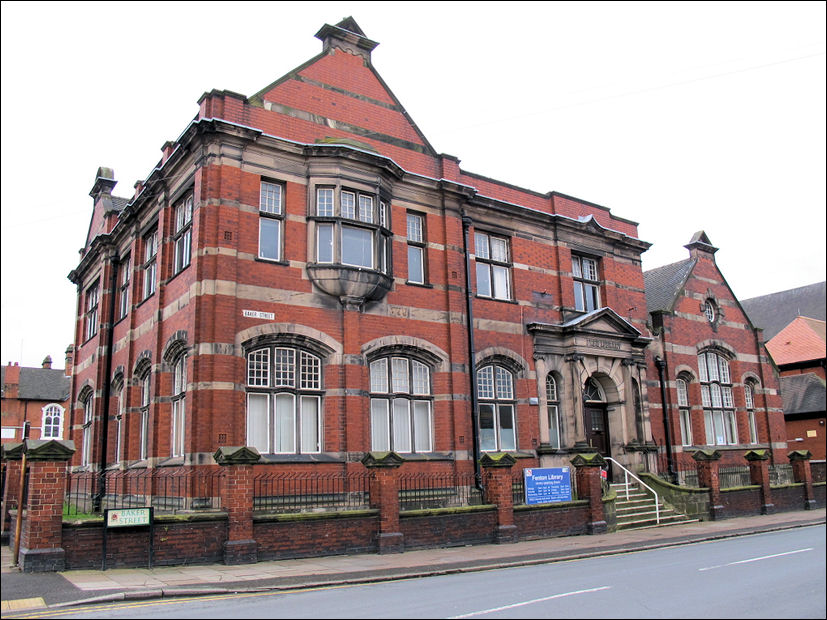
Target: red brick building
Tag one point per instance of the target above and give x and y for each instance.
(37, 398)
(719, 384)
(298, 274)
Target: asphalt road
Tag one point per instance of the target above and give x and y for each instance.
(777, 575)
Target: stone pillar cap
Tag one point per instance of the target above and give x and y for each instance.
(48, 449)
(706, 455)
(800, 455)
(588, 459)
(382, 459)
(236, 455)
(760, 454)
(497, 459)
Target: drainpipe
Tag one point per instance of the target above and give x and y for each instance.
(673, 476)
(107, 389)
(472, 353)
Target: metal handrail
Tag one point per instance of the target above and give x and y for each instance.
(627, 474)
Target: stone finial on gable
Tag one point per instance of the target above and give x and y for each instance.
(700, 244)
(347, 36)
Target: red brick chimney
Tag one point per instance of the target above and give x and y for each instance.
(70, 357)
(47, 362)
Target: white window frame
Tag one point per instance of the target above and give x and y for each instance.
(123, 289)
(284, 400)
(496, 396)
(52, 419)
(401, 410)
(586, 276)
(179, 407)
(150, 265)
(720, 423)
(553, 406)
(91, 313)
(271, 221)
(182, 235)
(416, 248)
(88, 416)
(143, 449)
(493, 266)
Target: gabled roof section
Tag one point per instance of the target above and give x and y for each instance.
(603, 320)
(803, 394)
(775, 311)
(802, 340)
(664, 284)
(338, 95)
(43, 384)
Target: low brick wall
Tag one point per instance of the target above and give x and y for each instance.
(552, 520)
(178, 540)
(690, 501)
(281, 537)
(448, 527)
(820, 492)
(741, 501)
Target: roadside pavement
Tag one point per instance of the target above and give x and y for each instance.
(73, 587)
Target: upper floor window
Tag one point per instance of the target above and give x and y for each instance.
(716, 397)
(52, 425)
(352, 236)
(709, 310)
(493, 266)
(270, 221)
(284, 390)
(586, 283)
(149, 267)
(183, 234)
(179, 393)
(400, 405)
(123, 288)
(495, 387)
(553, 404)
(416, 248)
(684, 411)
(91, 315)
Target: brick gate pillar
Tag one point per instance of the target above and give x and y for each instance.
(802, 473)
(384, 495)
(707, 464)
(497, 484)
(41, 537)
(759, 473)
(588, 481)
(12, 454)
(237, 499)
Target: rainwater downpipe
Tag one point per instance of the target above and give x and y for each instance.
(472, 353)
(670, 463)
(107, 388)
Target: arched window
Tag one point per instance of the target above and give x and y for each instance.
(284, 391)
(87, 402)
(119, 387)
(749, 400)
(553, 404)
(495, 387)
(682, 387)
(716, 397)
(52, 425)
(179, 394)
(400, 405)
(709, 310)
(143, 449)
(593, 392)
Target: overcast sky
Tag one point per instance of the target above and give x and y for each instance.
(679, 116)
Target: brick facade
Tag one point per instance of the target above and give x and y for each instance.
(168, 341)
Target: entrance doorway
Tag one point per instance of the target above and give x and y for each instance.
(597, 428)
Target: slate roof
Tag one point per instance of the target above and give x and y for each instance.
(663, 284)
(42, 384)
(803, 394)
(775, 311)
(803, 340)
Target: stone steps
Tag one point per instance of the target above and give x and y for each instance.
(638, 510)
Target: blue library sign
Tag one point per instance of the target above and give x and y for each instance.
(547, 485)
